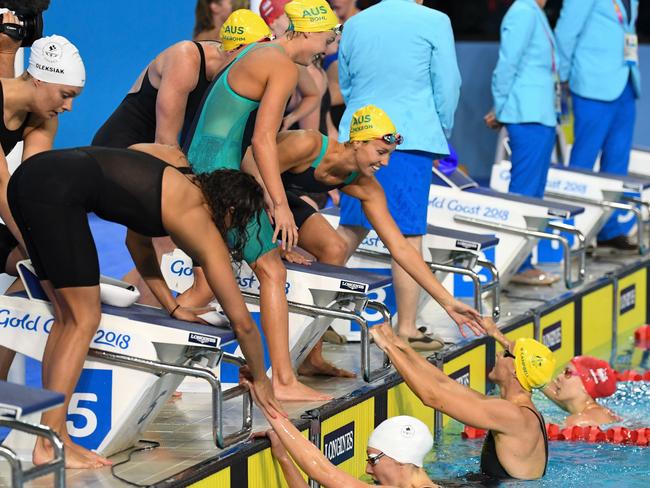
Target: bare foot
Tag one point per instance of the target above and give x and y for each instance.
(297, 392)
(74, 458)
(70, 446)
(323, 368)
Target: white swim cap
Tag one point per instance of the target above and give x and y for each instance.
(405, 439)
(54, 59)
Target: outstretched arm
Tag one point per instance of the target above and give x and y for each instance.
(373, 202)
(310, 459)
(291, 473)
(440, 392)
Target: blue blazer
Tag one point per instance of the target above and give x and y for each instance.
(523, 82)
(400, 56)
(590, 39)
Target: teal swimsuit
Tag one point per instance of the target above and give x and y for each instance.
(297, 184)
(216, 143)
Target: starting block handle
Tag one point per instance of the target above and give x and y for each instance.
(218, 397)
(642, 227)
(56, 465)
(316, 311)
(493, 285)
(579, 254)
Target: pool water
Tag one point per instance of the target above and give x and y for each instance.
(571, 464)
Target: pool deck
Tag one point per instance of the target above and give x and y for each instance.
(187, 455)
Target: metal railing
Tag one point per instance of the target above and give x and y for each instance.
(218, 397)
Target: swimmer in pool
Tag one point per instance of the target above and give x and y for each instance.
(576, 389)
(395, 456)
(516, 445)
(51, 194)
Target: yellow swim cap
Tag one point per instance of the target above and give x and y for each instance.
(243, 27)
(310, 16)
(534, 363)
(370, 123)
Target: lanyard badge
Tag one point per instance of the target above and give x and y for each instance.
(631, 49)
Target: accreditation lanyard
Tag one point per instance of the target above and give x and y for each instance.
(556, 75)
(631, 43)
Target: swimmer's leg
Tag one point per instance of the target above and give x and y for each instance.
(272, 276)
(77, 315)
(319, 238)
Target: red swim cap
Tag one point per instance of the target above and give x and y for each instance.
(597, 376)
(270, 10)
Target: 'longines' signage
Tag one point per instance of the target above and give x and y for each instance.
(552, 336)
(628, 299)
(338, 445)
(461, 376)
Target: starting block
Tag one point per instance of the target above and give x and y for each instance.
(20, 408)
(317, 295)
(137, 358)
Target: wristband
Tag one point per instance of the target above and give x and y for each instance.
(171, 314)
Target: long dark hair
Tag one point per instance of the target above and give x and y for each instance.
(203, 16)
(235, 196)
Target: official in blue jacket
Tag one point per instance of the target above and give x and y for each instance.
(400, 55)
(598, 50)
(525, 89)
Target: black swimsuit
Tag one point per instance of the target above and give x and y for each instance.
(134, 120)
(52, 192)
(305, 183)
(490, 464)
(8, 140)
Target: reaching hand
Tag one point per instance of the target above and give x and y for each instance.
(182, 313)
(264, 398)
(489, 326)
(383, 335)
(464, 315)
(285, 226)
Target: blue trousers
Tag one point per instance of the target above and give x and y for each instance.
(532, 146)
(606, 128)
(406, 181)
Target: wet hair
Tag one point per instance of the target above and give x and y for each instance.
(233, 194)
(291, 34)
(203, 16)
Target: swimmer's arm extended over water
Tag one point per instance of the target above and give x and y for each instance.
(373, 202)
(179, 76)
(310, 459)
(438, 391)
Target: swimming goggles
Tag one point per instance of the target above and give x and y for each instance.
(392, 138)
(568, 373)
(338, 29)
(373, 460)
(508, 354)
